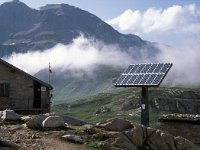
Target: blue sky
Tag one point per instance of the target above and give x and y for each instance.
(107, 9)
(164, 21)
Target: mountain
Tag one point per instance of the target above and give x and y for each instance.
(23, 28)
(69, 86)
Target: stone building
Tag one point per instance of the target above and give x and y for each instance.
(22, 92)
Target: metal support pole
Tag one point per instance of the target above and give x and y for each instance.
(49, 73)
(145, 107)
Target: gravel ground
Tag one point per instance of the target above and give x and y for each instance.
(29, 139)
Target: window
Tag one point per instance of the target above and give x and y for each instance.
(4, 89)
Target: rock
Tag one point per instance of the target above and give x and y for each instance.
(117, 141)
(99, 136)
(113, 134)
(180, 117)
(115, 124)
(165, 104)
(189, 95)
(73, 121)
(184, 144)
(102, 110)
(137, 135)
(7, 148)
(178, 101)
(1, 113)
(10, 115)
(73, 138)
(159, 140)
(25, 118)
(53, 122)
(129, 105)
(36, 121)
(9, 144)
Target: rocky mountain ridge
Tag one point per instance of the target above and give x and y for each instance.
(25, 29)
(178, 101)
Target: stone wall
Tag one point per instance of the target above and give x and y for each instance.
(21, 89)
(187, 126)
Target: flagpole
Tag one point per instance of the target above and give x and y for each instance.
(49, 72)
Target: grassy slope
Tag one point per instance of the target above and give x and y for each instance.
(84, 108)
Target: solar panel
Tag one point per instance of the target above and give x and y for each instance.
(143, 75)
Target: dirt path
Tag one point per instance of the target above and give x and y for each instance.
(36, 140)
(56, 144)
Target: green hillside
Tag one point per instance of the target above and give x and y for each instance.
(126, 103)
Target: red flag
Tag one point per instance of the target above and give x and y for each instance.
(50, 71)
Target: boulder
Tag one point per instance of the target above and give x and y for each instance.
(10, 115)
(116, 141)
(74, 122)
(73, 138)
(36, 121)
(53, 122)
(159, 140)
(8, 144)
(184, 144)
(137, 135)
(115, 124)
(129, 105)
(118, 134)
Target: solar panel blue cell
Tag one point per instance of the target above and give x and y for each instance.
(165, 68)
(139, 69)
(120, 79)
(146, 68)
(151, 79)
(128, 69)
(132, 79)
(144, 79)
(158, 78)
(134, 68)
(137, 80)
(158, 68)
(126, 79)
(152, 67)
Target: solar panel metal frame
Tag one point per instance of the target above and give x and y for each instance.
(141, 73)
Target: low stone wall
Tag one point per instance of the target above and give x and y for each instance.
(187, 126)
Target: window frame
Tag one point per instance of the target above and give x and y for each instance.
(4, 89)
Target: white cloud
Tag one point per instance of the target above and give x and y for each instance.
(129, 19)
(156, 24)
(85, 55)
(82, 54)
(185, 59)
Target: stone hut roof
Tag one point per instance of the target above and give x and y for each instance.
(26, 74)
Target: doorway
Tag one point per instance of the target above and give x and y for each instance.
(37, 95)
